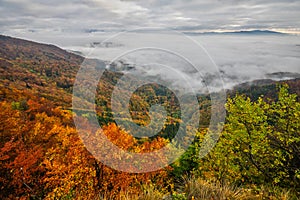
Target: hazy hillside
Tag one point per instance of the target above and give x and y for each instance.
(40, 68)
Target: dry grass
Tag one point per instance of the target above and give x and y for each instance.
(199, 189)
(150, 192)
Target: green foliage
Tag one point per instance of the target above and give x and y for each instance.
(19, 105)
(189, 162)
(178, 196)
(260, 142)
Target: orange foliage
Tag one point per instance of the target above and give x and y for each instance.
(42, 155)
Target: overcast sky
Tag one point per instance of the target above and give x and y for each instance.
(21, 16)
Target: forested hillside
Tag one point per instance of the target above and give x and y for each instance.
(43, 157)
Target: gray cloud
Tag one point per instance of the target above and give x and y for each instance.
(32, 15)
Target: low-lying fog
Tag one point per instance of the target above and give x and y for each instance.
(194, 58)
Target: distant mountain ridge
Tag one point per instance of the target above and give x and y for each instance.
(252, 32)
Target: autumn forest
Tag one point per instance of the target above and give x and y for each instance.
(43, 157)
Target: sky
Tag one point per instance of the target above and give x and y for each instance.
(69, 16)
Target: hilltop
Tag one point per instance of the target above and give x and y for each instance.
(44, 70)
